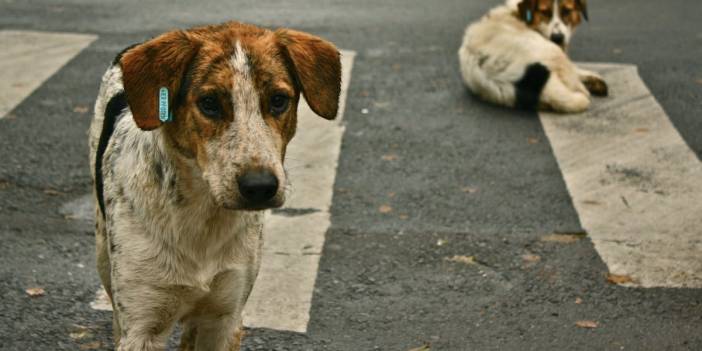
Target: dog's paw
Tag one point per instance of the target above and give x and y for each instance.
(596, 85)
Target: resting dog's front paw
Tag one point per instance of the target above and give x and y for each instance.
(596, 86)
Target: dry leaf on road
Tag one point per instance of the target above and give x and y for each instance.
(586, 324)
(529, 258)
(35, 292)
(390, 157)
(619, 279)
(385, 209)
(81, 109)
(533, 141)
(562, 238)
(469, 190)
(425, 347)
(578, 301)
(462, 259)
(90, 346)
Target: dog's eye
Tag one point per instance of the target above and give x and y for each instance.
(209, 106)
(279, 104)
(565, 12)
(548, 13)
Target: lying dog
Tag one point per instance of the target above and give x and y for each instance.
(516, 56)
(187, 147)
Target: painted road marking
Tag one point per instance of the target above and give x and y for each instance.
(635, 183)
(29, 58)
(294, 236)
(282, 295)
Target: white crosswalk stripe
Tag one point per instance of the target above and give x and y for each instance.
(635, 183)
(29, 58)
(282, 295)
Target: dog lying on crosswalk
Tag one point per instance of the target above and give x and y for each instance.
(187, 147)
(516, 55)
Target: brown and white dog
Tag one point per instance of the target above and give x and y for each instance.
(179, 220)
(516, 55)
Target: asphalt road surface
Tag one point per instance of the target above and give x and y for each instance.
(451, 223)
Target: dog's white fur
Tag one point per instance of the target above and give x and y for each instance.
(497, 50)
(174, 243)
(211, 255)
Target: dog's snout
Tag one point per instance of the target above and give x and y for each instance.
(558, 38)
(258, 187)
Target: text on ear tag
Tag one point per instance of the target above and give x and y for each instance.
(163, 113)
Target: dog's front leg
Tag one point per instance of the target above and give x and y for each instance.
(146, 316)
(594, 83)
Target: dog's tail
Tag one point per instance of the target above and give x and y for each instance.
(528, 89)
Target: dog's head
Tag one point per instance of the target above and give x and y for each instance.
(554, 19)
(233, 90)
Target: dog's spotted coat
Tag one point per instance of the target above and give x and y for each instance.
(179, 226)
(516, 55)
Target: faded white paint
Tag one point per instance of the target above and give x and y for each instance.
(29, 58)
(282, 296)
(635, 183)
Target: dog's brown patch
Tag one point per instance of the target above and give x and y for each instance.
(570, 11)
(196, 62)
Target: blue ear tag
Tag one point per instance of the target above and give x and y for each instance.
(528, 16)
(163, 113)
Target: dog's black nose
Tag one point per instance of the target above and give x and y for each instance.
(558, 38)
(257, 187)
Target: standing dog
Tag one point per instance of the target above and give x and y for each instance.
(187, 147)
(516, 56)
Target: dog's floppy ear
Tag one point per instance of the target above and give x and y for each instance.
(316, 65)
(155, 64)
(527, 8)
(582, 6)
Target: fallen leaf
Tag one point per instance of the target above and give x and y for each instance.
(469, 190)
(80, 333)
(390, 157)
(90, 346)
(642, 130)
(404, 216)
(385, 209)
(81, 109)
(425, 347)
(35, 292)
(391, 194)
(529, 258)
(462, 259)
(586, 324)
(619, 279)
(592, 203)
(578, 301)
(441, 242)
(52, 192)
(562, 238)
(533, 141)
